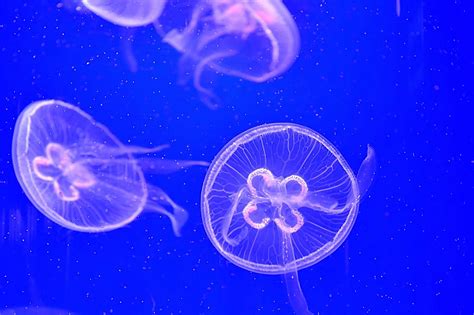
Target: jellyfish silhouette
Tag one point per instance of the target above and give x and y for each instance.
(127, 12)
(252, 40)
(279, 198)
(78, 174)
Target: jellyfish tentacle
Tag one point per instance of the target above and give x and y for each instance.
(228, 219)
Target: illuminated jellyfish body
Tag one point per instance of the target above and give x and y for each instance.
(252, 40)
(78, 174)
(126, 12)
(279, 198)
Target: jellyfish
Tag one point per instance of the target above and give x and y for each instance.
(79, 175)
(279, 198)
(129, 13)
(252, 40)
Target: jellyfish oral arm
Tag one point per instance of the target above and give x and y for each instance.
(295, 293)
(366, 173)
(206, 94)
(139, 150)
(293, 287)
(159, 201)
(273, 41)
(158, 166)
(98, 151)
(228, 220)
(296, 197)
(322, 201)
(148, 164)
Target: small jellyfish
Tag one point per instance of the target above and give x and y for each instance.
(127, 12)
(78, 174)
(279, 198)
(252, 40)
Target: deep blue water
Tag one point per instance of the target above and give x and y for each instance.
(364, 76)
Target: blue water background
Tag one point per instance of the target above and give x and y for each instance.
(403, 84)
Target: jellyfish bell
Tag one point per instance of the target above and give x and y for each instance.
(252, 40)
(130, 13)
(78, 174)
(279, 198)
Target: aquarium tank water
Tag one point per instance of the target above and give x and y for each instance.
(236, 157)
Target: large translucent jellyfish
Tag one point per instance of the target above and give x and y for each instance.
(78, 174)
(127, 12)
(279, 198)
(252, 40)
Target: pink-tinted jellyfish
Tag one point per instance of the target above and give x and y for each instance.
(78, 174)
(252, 40)
(127, 12)
(279, 198)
